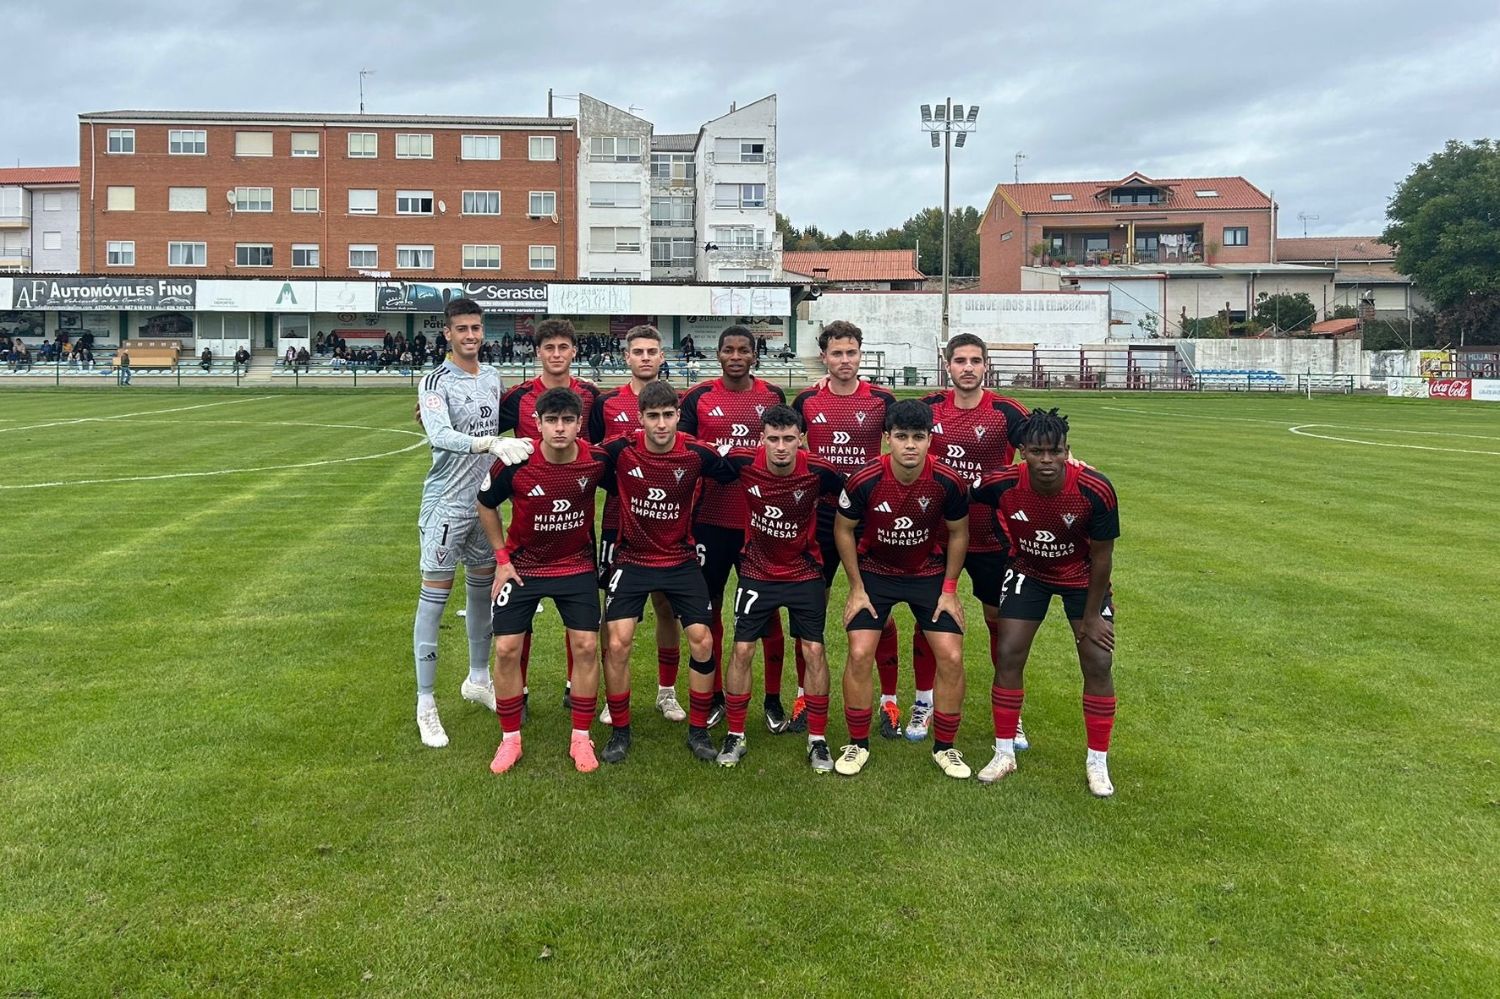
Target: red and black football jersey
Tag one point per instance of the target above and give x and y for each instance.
(615, 413)
(904, 527)
(551, 530)
(656, 494)
(1049, 536)
(518, 407)
(782, 514)
(975, 442)
(846, 430)
(724, 419)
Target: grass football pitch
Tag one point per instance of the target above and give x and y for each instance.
(210, 778)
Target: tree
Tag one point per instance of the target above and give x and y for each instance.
(923, 231)
(1444, 222)
(1285, 311)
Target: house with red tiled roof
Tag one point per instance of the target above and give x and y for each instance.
(1130, 221)
(856, 270)
(39, 219)
(1364, 271)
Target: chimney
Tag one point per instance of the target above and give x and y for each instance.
(731, 107)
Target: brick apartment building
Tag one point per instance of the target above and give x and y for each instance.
(1134, 220)
(307, 195)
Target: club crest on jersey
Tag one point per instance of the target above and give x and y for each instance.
(860, 417)
(716, 411)
(883, 507)
(760, 410)
(1020, 515)
(1068, 519)
(637, 473)
(979, 433)
(820, 418)
(583, 482)
(797, 494)
(923, 501)
(678, 473)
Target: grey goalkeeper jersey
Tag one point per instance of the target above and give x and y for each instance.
(457, 407)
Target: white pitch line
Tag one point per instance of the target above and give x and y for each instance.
(1301, 431)
(126, 416)
(1283, 423)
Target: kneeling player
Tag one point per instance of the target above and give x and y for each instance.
(780, 566)
(904, 500)
(656, 472)
(1061, 519)
(548, 552)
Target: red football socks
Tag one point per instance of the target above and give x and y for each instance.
(858, 720)
(1005, 705)
(1098, 720)
(700, 705)
(509, 710)
(667, 661)
(583, 711)
(944, 728)
(817, 715)
(736, 707)
(619, 709)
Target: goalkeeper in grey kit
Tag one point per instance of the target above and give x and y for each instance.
(459, 404)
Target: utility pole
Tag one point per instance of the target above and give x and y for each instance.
(1019, 157)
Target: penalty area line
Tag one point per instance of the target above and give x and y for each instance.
(1302, 430)
(126, 416)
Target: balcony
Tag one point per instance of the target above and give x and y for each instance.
(613, 247)
(677, 270)
(10, 219)
(16, 258)
(1111, 247)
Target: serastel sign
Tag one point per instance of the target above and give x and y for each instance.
(493, 296)
(85, 294)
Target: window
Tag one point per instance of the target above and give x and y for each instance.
(542, 258)
(481, 203)
(1236, 236)
(187, 199)
(52, 241)
(363, 145)
(480, 147)
(612, 239)
(614, 149)
(187, 254)
(740, 237)
(120, 253)
(252, 143)
(121, 140)
(362, 202)
(540, 203)
(1062, 197)
(672, 251)
(1135, 196)
(364, 255)
(1208, 193)
(541, 147)
(120, 199)
(305, 144)
(675, 211)
(739, 195)
(187, 142)
(51, 202)
(305, 199)
(676, 167)
(739, 150)
(252, 255)
(413, 202)
(487, 257)
(414, 258)
(304, 254)
(614, 194)
(1095, 244)
(252, 199)
(413, 146)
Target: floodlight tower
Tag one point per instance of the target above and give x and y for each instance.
(948, 121)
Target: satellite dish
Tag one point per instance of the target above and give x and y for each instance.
(443, 207)
(229, 196)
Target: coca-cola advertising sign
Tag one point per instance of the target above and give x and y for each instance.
(1449, 388)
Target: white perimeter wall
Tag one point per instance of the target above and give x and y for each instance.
(906, 325)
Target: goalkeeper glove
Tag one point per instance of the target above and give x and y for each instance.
(481, 444)
(510, 450)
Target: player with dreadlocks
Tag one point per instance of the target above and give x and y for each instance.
(1060, 519)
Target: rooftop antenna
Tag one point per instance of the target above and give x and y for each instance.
(362, 74)
(1306, 218)
(1019, 157)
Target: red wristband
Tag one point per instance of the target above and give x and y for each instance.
(502, 557)
(950, 586)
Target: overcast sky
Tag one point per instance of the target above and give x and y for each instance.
(1327, 104)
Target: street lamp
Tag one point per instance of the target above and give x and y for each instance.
(950, 121)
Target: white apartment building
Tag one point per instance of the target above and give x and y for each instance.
(39, 219)
(678, 206)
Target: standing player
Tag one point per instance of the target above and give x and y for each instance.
(900, 505)
(548, 552)
(725, 412)
(1061, 518)
(974, 433)
(556, 347)
(845, 420)
(780, 567)
(616, 413)
(459, 405)
(656, 472)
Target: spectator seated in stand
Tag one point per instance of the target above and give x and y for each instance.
(241, 361)
(405, 362)
(303, 361)
(289, 359)
(206, 360)
(20, 357)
